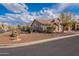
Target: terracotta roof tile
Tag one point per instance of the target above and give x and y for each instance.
(44, 21)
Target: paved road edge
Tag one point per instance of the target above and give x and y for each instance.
(35, 42)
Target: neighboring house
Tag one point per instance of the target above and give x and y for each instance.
(41, 25)
(77, 26)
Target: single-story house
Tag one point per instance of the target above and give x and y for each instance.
(41, 25)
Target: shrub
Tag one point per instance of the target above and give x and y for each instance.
(13, 34)
(49, 29)
(13, 30)
(29, 29)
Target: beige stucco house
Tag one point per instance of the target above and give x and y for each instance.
(76, 26)
(41, 25)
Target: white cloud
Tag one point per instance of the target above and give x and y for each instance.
(25, 16)
(63, 6)
(16, 7)
(55, 12)
(47, 14)
(76, 17)
(16, 18)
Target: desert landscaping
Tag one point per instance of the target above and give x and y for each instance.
(28, 37)
(38, 30)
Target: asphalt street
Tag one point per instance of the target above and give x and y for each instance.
(63, 47)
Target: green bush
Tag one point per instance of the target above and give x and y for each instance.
(29, 29)
(49, 29)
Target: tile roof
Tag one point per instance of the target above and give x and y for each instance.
(45, 21)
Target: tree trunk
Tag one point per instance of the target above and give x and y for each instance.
(62, 29)
(69, 28)
(75, 26)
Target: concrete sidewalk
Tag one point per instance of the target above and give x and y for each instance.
(35, 42)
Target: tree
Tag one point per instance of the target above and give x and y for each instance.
(62, 18)
(67, 21)
(71, 24)
(19, 27)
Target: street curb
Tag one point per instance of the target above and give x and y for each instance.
(34, 42)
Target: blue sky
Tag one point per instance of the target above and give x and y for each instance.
(35, 7)
(3, 10)
(26, 12)
(38, 7)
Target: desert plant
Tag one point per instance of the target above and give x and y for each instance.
(49, 29)
(13, 34)
(70, 24)
(13, 30)
(1, 27)
(29, 29)
(19, 27)
(62, 18)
